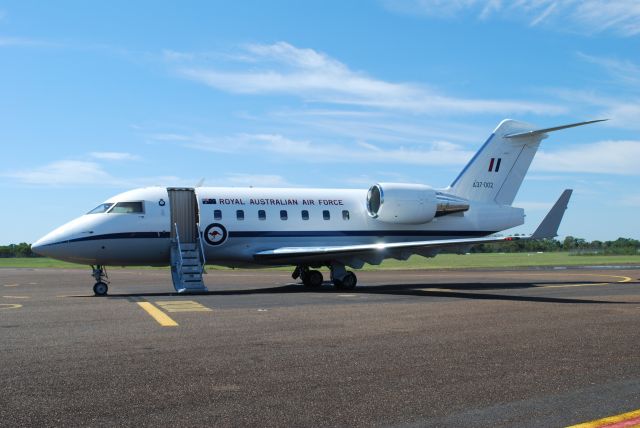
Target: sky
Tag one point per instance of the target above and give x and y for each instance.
(97, 98)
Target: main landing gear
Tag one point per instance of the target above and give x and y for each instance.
(342, 279)
(310, 278)
(100, 288)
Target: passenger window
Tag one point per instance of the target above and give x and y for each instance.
(127, 208)
(217, 214)
(345, 214)
(283, 215)
(262, 215)
(100, 209)
(326, 215)
(305, 215)
(240, 215)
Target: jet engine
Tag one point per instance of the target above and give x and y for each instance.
(410, 203)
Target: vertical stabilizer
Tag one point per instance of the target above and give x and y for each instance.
(496, 171)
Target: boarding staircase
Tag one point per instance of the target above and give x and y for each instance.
(187, 251)
(187, 264)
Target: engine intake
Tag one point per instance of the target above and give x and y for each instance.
(410, 203)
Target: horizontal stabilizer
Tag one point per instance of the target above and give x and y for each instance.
(549, 226)
(555, 128)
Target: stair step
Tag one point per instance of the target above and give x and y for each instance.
(186, 267)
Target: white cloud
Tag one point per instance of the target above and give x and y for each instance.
(22, 41)
(624, 71)
(114, 156)
(605, 157)
(621, 17)
(544, 15)
(63, 172)
(622, 113)
(438, 153)
(284, 69)
(631, 200)
(75, 173)
(256, 180)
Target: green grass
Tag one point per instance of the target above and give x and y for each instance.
(443, 261)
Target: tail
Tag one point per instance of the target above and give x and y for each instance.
(496, 171)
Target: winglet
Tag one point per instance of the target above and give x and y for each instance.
(549, 226)
(555, 128)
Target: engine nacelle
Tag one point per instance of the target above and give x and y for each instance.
(402, 203)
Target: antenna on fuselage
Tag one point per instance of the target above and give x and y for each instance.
(200, 183)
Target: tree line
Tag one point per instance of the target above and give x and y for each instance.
(570, 244)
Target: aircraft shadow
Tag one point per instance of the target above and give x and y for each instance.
(469, 291)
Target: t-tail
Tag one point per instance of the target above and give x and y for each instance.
(496, 171)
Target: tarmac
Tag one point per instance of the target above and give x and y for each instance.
(534, 347)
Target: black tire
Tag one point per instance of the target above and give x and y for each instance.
(349, 281)
(314, 279)
(100, 288)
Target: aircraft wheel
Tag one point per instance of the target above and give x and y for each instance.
(313, 278)
(100, 288)
(349, 281)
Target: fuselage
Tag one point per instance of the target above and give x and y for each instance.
(134, 228)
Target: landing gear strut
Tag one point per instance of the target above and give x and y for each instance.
(310, 278)
(342, 278)
(100, 288)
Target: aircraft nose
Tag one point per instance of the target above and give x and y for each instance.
(44, 247)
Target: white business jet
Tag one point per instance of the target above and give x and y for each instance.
(308, 228)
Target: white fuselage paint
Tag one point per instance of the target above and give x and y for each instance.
(143, 239)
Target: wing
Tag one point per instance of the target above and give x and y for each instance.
(375, 253)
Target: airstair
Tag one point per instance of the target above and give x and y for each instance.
(187, 251)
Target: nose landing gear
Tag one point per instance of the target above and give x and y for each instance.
(101, 287)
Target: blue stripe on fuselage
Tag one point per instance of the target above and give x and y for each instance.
(295, 234)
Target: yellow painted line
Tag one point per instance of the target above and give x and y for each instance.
(16, 297)
(182, 306)
(609, 420)
(11, 285)
(576, 285)
(9, 306)
(622, 280)
(162, 318)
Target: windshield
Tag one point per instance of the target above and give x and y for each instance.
(127, 208)
(100, 209)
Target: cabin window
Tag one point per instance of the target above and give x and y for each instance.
(240, 215)
(262, 215)
(283, 215)
(127, 208)
(326, 215)
(217, 214)
(305, 215)
(100, 208)
(345, 214)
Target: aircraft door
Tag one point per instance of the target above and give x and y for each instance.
(184, 213)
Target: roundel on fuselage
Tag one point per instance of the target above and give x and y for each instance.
(215, 234)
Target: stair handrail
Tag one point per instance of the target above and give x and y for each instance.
(200, 236)
(179, 247)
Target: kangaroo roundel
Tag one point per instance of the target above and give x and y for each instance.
(215, 234)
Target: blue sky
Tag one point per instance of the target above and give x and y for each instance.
(101, 97)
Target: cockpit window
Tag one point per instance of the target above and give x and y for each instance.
(100, 208)
(127, 208)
